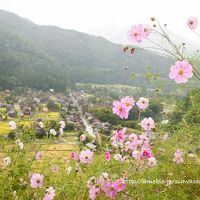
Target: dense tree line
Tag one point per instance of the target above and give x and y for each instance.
(45, 57)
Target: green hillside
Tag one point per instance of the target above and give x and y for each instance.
(45, 57)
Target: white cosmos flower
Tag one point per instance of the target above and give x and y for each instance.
(12, 125)
(118, 157)
(41, 124)
(165, 121)
(21, 145)
(7, 161)
(18, 141)
(83, 137)
(69, 169)
(152, 162)
(53, 132)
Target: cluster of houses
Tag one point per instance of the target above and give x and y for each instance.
(83, 107)
(75, 107)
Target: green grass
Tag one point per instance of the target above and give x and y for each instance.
(73, 185)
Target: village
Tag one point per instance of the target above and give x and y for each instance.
(73, 108)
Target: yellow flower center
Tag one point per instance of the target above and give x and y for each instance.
(180, 72)
(120, 185)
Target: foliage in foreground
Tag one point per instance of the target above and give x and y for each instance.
(69, 179)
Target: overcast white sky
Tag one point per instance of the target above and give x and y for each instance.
(91, 15)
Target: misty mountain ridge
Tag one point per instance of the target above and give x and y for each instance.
(51, 57)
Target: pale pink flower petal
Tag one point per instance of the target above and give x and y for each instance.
(36, 180)
(86, 156)
(192, 22)
(142, 103)
(147, 124)
(181, 71)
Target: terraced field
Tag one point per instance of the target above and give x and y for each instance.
(4, 127)
(54, 152)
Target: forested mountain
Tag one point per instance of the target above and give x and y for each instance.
(50, 57)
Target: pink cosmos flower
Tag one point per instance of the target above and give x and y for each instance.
(91, 182)
(120, 135)
(86, 156)
(133, 137)
(146, 153)
(47, 197)
(136, 33)
(83, 137)
(94, 192)
(147, 124)
(74, 156)
(192, 22)
(146, 144)
(118, 157)
(38, 155)
(103, 179)
(36, 180)
(128, 102)
(54, 168)
(120, 110)
(50, 194)
(181, 71)
(110, 189)
(119, 185)
(143, 137)
(136, 154)
(62, 124)
(107, 155)
(114, 142)
(126, 146)
(142, 103)
(178, 157)
(133, 145)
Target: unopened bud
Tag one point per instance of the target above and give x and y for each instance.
(132, 50)
(125, 49)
